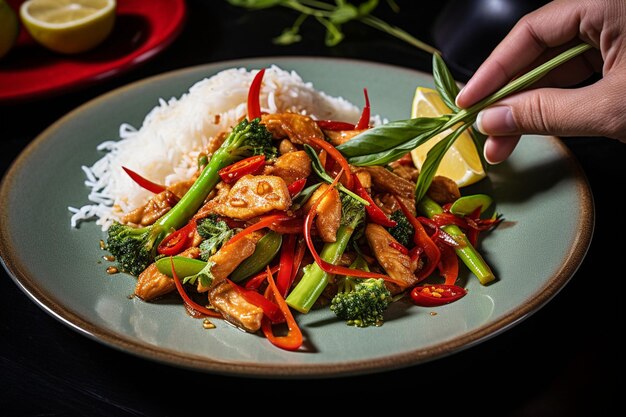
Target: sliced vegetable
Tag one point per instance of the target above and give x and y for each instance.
(190, 303)
(364, 120)
(255, 282)
(252, 165)
(183, 266)
(178, 241)
(334, 125)
(374, 212)
(264, 221)
(269, 308)
(433, 295)
(337, 156)
(254, 103)
(143, 182)
(287, 253)
(296, 186)
(293, 339)
(466, 205)
(266, 249)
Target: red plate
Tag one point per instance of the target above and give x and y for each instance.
(142, 29)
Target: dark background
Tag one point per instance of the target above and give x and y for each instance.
(564, 360)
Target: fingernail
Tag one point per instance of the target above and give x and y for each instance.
(496, 121)
(456, 100)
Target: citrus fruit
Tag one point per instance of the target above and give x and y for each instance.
(68, 26)
(461, 163)
(9, 28)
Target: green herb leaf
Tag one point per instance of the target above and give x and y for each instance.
(343, 13)
(444, 82)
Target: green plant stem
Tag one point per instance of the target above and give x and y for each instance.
(467, 252)
(397, 32)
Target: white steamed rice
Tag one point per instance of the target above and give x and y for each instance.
(165, 148)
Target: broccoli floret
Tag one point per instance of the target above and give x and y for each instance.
(403, 231)
(135, 248)
(215, 233)
(360, 302)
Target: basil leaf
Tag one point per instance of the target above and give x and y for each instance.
(445, 83)
(385, 137)
(433, 159)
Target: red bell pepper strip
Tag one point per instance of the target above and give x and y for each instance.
(255, 282)
(448, 264)
(251, 165)
(293, 339)
(190, 303)
(254, 104)
(144, 183)
(296, 186)
(300, 249)
(270, 309)
(334, 125)
(374, 212)
(337, 156)
(433, 295)
(283, 280)
(265, 221)
(399, 247)
(364, 121)
(292, 226)
(421, 239)
(327, 266)
(177, 241)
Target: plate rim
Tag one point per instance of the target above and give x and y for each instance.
(15, 269)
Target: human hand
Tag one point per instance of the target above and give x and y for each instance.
(550, 108)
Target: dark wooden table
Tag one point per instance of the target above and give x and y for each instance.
(564, 360)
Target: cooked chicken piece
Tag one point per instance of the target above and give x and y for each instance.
(297, 127)
(385, 180)
(254, 195)
(218, 195)
(150, 212)
(180, 188)
(152, 284)
(364, 178)
(394, 262)
(406, 172)
(235, 309)
(388, 203)
(290, 167)
(443, 190)
(337, 137)
(328, 216)
(215, 142)
(286, 146)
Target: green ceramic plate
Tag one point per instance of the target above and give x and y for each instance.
(541, 192)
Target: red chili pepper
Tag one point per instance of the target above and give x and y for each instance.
(436, 294)
(190, 303)
(337, 156)
(297, 259)
(270, 309)
(334, 125)
(374, 212)
(364, 121)
(448, 264)
(255, 282)
(177, 241)
(254, 104)
(415, 253)
(422, 240)
(292, 226)
(144, 183)
(293, 339)
(283, 280)
(326, 266)
(251, 165)
(296, 186)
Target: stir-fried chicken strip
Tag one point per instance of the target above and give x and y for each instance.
(387, 202)
(443, 190)
(254, 195)
(152, 284)
(297, 127)
(290, 167)
(338, 137)
(394, 262)
(286, 146)
(328, 216)
(386, 181)
(234, 307)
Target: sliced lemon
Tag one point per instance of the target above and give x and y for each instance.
(461, 163)
(9, 28)
(69, 26)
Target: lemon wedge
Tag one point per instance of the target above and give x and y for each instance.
(68, 26)
(461, 163)
(9, 28)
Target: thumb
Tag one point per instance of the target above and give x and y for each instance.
(595, 110)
